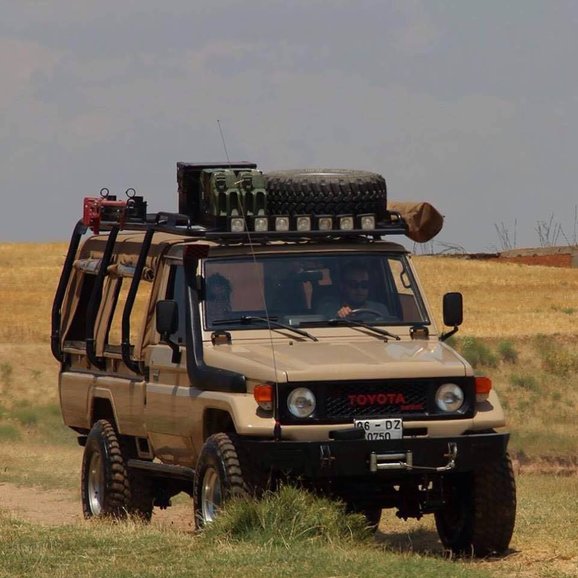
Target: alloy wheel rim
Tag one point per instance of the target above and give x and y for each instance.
(95, 484)
(211, 496)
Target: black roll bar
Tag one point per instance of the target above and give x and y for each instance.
(95, 299)
(77, 233)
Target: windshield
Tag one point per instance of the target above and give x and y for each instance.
(312, 290)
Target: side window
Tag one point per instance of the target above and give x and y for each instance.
(81, 290)
(404, 285)
(176, 291)
(138, 314)
(233, 289)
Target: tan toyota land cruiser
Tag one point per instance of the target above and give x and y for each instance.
(271, 331)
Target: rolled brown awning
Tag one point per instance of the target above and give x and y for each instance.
(423, 220)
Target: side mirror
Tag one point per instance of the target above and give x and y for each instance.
(167, 315)
(453, 309)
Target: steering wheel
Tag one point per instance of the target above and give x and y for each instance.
(364, 311)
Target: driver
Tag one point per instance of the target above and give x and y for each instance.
(354, 286)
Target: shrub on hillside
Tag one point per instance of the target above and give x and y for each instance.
(477, 352)
(556, 358)
(507, 351)
(527, 382)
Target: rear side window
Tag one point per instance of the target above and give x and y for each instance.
(121, 286)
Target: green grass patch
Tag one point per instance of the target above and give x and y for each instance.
(286, 517)
(9, 433)
(132, 549)
(42, 422)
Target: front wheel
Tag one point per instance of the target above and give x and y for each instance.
(480, 510)
(218, 477)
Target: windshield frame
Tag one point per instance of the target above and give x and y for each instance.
(314, 319)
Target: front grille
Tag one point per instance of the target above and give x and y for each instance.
(344, 401)
(376, 400)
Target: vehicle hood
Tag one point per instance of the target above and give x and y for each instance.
(302, 361)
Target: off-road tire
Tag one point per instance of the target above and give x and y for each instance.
(105, 485)
(141, 501)
(218, 472)
(109, 489)
(480, 511)
(325, 192)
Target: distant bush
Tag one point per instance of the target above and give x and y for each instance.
(566, 310)
(287, 517)
(556, 358)
(6, 372)
(8, 433)
(477, 352)
(27, 416)
(527, 382)
(507, 351)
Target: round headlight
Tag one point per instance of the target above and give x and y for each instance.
(301, 402)
(449, 397)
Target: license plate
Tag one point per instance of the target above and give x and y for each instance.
(381, 429)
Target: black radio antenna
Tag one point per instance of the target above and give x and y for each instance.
(224, 143)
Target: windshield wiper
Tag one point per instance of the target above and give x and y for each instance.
(248, 319)
(351, 323)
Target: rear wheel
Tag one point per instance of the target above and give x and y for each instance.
(218, 477)
(108, 488)
(480, 510)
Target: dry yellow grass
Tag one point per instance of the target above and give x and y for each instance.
(504, 299)
(28, 278)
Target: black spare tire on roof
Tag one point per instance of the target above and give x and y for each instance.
(326, 192)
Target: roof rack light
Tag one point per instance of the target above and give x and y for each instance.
(303, 223)
(325, 222)
(346, 222)
(260, 224)
(282, 223)
(367, 222)
(236, 224)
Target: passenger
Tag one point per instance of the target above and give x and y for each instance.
(218, 297)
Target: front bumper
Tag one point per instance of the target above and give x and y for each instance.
(389, 458)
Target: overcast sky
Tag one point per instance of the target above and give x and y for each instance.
(470, 105)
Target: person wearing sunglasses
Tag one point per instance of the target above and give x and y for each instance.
(355, 288)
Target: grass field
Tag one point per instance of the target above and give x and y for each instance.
(519, 328)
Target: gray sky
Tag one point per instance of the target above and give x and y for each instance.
(470, 105)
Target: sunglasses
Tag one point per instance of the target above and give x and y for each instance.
(353, 284)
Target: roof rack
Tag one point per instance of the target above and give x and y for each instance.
(106, 213)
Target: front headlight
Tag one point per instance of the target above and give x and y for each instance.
(301, 402)
(449, 397)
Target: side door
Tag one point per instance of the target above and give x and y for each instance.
(172, 415)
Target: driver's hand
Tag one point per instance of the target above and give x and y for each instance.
(344, 311)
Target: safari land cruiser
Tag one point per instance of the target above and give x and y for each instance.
(271, 331)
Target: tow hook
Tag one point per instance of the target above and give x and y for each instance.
(326, 459)
(404, 461)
